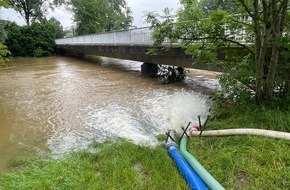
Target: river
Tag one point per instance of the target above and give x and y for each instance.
(54, 105)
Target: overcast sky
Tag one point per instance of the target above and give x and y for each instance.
(138, 7)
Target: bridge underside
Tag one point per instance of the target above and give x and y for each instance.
(173, 56)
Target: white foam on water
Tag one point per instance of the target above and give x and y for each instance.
(140, 125)
(114, 122)
(174, 111)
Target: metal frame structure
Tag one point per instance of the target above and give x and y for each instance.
(138, 36)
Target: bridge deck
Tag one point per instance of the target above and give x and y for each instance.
(127, 44)
(132, 44)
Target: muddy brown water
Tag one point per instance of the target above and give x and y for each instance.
(51, 106)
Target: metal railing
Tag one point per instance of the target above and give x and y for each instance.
(138, 36)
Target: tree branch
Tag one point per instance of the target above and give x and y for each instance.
(240, 22)
(238, 43)
(247, 8)
(219, 38)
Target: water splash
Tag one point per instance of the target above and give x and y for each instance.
(140, 125)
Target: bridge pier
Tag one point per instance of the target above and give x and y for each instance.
(149, 69)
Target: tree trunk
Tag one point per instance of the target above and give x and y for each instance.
(278, 23)
(262, 42)
(288, 83)
(27, 19)
(257, 50)
(272, 19)
(270, 85)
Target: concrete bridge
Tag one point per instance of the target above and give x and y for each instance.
(132, 44)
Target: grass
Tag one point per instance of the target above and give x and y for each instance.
(249, 116)
(115, 166)
(238, 162)
(245, 162)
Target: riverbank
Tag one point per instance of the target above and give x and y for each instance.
(240, 162)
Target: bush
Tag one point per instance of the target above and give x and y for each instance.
(35, 40)
(4, 53)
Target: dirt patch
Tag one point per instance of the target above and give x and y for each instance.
(138, 168)
(242, 180)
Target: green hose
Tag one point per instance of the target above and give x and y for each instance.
(198, 168)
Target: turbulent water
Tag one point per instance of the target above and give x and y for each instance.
(51, 106)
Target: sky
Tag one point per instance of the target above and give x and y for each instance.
(138, 7)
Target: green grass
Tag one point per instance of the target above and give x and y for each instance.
(245, 162)
(249, 116)
(115, 166)
(238, 162)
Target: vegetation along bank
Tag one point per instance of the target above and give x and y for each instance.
(255, 94)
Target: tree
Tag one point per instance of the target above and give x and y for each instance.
(89, 16)
(14, 41)
(119, 15)
(260, 28)
(4, 52)
(33, 10)
(38, 37)
(100, 15)
(211, 5)
(4, 3)
(3, 32)
(29, 9)
(269, 23)
(58, 28)
(35, 40)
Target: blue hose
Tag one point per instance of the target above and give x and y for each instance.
(192, 179)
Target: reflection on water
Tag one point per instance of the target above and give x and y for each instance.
(57, 104)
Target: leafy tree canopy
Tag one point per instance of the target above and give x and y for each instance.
(33, 10)
(4, 52)
(30, 10)
(211, 5)
(59, 32)
(249, 39)
(35, 40)
(100, 15)
(4, 3)
(38, 37)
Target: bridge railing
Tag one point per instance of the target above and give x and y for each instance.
(138, 36)
(126, 37)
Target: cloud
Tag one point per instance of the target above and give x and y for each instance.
(138, 7)
(11, 15)
(64, 16)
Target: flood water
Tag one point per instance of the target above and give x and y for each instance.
(54, 105)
